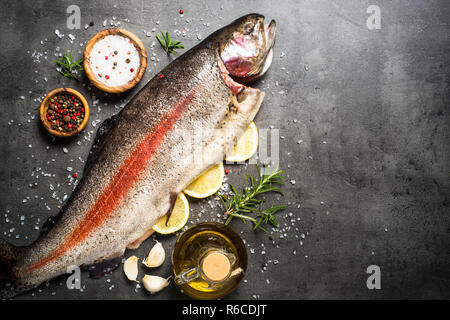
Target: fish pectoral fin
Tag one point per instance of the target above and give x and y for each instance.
(136, 243)
(248, 100)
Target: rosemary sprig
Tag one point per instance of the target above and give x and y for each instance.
(69, 68)
(240, 204)
(167, 44)
(266, 216)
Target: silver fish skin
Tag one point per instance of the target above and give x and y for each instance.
(176, 127)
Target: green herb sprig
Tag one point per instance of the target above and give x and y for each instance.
(240, 204)
(266, 216)
(167, 44)
(69, 68)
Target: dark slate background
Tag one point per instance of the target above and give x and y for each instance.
(371, 172)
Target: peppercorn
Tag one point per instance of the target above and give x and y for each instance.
(65, 112)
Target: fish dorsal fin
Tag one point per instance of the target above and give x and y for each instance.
(99, 141)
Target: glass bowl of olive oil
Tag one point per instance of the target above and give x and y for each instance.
(209, 260)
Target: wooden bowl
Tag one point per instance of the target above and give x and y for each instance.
(44, 107)
(137, 44)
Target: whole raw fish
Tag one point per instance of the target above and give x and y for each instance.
(179, 125)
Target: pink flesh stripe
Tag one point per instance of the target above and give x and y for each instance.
(125, 178)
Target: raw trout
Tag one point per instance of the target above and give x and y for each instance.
(180, 124)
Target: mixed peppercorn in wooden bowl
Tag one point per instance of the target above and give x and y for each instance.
(64, 112)
(114, 61)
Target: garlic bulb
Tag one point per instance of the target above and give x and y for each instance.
(130, 268)
(154, 284)
(156, 256)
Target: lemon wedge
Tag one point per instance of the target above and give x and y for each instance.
(246, 146)
(207, 184)
(178, 217)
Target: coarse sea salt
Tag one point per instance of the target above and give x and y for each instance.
(114, 60)
(59, 34)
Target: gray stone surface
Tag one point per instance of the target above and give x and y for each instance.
(371, 108)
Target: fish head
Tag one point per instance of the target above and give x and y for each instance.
(247, 47)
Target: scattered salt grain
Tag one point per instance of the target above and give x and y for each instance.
(60, 35)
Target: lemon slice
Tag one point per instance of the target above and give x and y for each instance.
(246, 146)
(207, 184)
(178, 217)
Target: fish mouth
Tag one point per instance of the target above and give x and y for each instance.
(269, 30)
(248, 57)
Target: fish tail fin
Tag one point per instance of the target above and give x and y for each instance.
(9, 284)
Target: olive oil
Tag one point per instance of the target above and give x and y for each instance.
(209, 260)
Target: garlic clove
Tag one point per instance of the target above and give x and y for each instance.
(154, 284)
(130, 268)
(156, 256)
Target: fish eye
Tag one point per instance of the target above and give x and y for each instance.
(249, 27)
